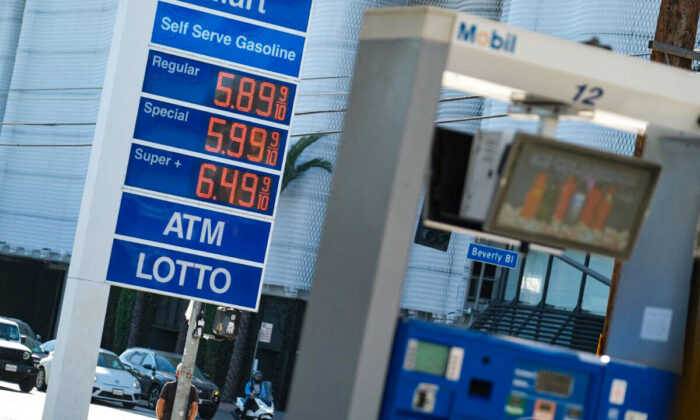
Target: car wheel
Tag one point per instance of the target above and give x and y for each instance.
(27, 385)
(206, 415)
(129, 405)
(41, 380)
(153, 396)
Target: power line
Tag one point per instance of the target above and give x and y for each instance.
(14, 98)
(318, 133)
(49, 89)
(47, 124)
(485, 117)
(44, 145)
(454, 99)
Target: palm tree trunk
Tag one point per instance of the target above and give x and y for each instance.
(235, 375)
(136, 319)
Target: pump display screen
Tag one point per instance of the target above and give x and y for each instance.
(431, 358)
(554, 383)
(568, 196)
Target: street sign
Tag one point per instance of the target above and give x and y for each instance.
(491, 255)
(202, 147)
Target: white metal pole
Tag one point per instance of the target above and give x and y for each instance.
(189, 358)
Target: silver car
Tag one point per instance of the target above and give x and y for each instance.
(112, 382)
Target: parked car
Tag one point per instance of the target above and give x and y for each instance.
(33, 345)
(112, 382)
(48, 346)
(154, 368)
(16, 363)
(25, 329)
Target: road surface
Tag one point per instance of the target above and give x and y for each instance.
(17, 405)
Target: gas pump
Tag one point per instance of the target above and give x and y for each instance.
(356, 362)
(439, 372)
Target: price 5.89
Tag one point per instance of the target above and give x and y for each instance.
(252, 96)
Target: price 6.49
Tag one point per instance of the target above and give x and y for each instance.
(233, 186)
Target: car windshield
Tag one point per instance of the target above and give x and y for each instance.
(25, 329)
(168, 364)
(48, 346)
(109, 361)
(32, 344)
(9, 332)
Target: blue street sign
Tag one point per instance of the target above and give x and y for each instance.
(219, 87)
(184, 274)
(204, 132)
(203, 180)
(227, 39)
(491, 255)
(191, 227)
(292, 14)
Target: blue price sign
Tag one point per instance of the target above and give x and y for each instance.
(209, 143)
(292, 14)
(191, 227)
(491, 255)
(203, 132)
(184, 274)
(227, 39)
(219, 87)
(203, 180)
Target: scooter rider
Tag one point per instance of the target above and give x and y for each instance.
(255, 388)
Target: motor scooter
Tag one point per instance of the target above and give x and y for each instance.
(265, 411)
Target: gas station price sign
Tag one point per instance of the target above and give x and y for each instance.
(219, 87)
(208, 146)
(194, 178)
(211, 134)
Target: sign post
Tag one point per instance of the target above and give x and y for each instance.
(185, 170)
(189, 358)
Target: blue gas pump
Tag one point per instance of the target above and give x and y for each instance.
(441, 372)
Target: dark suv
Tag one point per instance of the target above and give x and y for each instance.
(16, 363)
(154, 368)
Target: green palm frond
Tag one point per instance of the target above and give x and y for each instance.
(293, 171)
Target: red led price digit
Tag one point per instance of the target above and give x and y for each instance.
(231, 185)
(246, 89)
(267, 184)
(266, 95)
(284, 94)
(257, 141)
(249, 185)
(215, 135)
(271, 157)
(205, 185)
(263, 202)
(275, 143)
(237, 136)
(221, 88)
(280, 112)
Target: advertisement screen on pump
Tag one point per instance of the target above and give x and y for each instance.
(562, 195)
